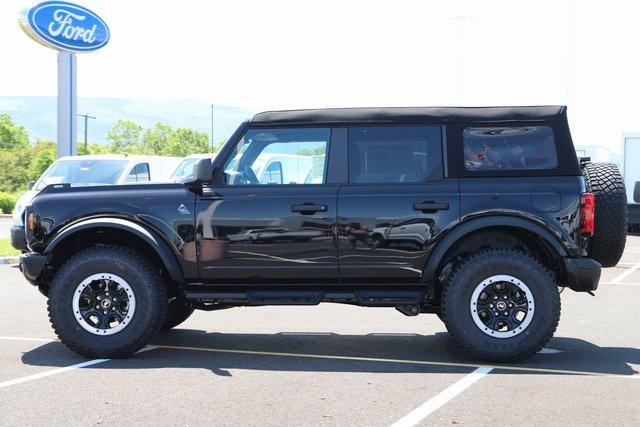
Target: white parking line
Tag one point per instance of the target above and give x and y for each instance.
(626, 274)
(28, 339)
(62, 370)
(440, 399)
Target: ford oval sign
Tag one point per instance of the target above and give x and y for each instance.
(65, 26)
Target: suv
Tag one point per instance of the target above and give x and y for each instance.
(479, 215)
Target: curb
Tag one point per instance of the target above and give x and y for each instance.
(9, 259)
(4, 215)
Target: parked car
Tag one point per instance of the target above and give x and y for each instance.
(107, 169)
(479, 215)
(187, 167)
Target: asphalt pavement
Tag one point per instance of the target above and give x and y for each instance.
(331, 364)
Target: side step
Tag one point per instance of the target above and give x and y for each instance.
(257, 297)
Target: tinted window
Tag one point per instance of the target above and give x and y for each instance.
(273, 174)
(139, 173)
(279, 156)
(509, 148)
(394, 154)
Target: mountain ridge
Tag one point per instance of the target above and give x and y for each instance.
(38, 115)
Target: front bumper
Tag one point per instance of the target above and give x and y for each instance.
(18, 239)
(583, 274)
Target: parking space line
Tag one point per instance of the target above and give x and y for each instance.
(400, 361)
(440, 399)
(28, 339)
(62, 370)
(626, 274)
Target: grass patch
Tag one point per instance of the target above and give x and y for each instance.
(6, 249)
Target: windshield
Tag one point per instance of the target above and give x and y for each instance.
(82, 172)
(185, 169)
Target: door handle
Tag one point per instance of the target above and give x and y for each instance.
(430, 206)
(308, 208)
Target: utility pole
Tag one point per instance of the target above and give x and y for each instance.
(212, 128)
(86, 120)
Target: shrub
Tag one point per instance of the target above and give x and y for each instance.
(7, 202)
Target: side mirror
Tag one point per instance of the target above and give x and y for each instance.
(636, 192)
(203, 172)
(30, 185)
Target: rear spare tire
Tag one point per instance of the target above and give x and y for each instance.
(605, 181)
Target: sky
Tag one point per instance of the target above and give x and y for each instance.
(264, 55)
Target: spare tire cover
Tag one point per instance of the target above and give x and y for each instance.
(605, 181)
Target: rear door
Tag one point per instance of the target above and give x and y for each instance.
(271, 222)
(396, 201)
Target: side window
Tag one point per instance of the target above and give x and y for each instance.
(509, 148)
(140, 173)
(279, 157)
(273, 174)
(395, 154)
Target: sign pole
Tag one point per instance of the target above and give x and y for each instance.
(67, 104)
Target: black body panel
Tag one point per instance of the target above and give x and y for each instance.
(253, 234)
(384, 236)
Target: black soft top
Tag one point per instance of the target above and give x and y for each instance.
(411, 115)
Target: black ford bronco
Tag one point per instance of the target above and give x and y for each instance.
(479, 215)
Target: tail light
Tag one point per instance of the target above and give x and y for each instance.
(587, 214)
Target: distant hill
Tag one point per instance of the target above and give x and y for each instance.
(38, 115)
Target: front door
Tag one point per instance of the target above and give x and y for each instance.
(273, 221)
(396, 202)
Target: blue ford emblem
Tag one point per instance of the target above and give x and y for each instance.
(65, 26)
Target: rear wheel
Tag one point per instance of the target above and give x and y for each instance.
(106, 302)
(605, 181)
(500, 305)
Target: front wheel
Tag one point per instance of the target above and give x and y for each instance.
(106, 302)
(501, 305)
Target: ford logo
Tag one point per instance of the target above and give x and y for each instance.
(65, 26)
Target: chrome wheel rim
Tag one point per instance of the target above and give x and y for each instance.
(103, 304)
(502, 306)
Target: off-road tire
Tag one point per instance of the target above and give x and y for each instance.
(178, 310)
(150, 294)
(456, 299)
(605, 181)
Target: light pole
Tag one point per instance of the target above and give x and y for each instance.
(86, 122)
(462, 20)
(212, 128)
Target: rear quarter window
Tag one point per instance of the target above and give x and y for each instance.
(504, 149)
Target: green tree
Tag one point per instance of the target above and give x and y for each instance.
(219, 145)
(156, 139)
(185, 141)
(11, 135)
(43, 154)
(125, 136)
(14, 169)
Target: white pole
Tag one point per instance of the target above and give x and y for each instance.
(67, 104)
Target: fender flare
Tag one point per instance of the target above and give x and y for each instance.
(152, 238)
(457, 232)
